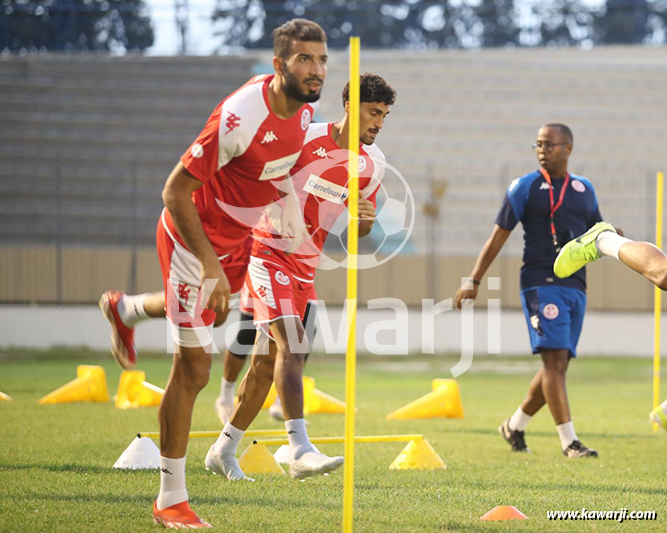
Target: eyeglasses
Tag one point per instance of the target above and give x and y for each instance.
(546, 146)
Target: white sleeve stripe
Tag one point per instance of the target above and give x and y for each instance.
(250, 110)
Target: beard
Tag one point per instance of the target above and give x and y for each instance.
(293, 90)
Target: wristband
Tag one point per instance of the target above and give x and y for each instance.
(475, 282)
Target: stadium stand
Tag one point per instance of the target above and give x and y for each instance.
(86, 143)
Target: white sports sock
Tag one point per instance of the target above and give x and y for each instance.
(609, 243)
(228, 441)
(227, 390)
(519, 420)
(172, 482)
(298, 437)
(567, 434)
(131, 309)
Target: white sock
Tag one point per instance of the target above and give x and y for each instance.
(609, 243)
(227, 390)
(131, 309)
(172, 482)
(277, 403)
(519, 420)
(566, 434)
(298, 437)
(228, 441)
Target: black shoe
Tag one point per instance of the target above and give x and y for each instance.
(514, 438)
(576, 449)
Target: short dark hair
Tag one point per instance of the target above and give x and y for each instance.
(299, 30)
(565, 131)
(372, 88)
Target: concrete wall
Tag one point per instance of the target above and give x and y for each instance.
(69, 274)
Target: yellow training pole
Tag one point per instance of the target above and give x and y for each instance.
(657, 299)
(340, 440)
(352, 244)
(216, 434)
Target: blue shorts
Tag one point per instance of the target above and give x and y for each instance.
(554, 316)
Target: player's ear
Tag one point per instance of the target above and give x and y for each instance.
(278, 63)
(347, 106)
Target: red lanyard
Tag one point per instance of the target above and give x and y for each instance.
(555, 208)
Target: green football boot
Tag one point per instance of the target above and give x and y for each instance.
(659, 417)
(580, 251)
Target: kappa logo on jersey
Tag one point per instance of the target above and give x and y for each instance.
(197, 150)
(305, 119)
(233, 122)
(545, 186)
(550, 311)
(321, 152)
(578, 186)
(278, 167)
(282, 278)
(269, 137)
(184, 292)
(326, 190)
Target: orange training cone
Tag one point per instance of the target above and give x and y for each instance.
(443, 402)
(134, 391)
(5, 397)
(257, 459)
(504, 512)
(89, 386)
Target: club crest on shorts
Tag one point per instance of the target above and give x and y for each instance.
(578, 186)
(550, 311)
(282, 278)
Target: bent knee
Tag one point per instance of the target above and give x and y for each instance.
(196, 374)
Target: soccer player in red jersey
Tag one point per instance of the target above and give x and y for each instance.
(236, 354)
(281, 283)
(213, 198)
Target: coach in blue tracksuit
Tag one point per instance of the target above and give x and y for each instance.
(554, 206)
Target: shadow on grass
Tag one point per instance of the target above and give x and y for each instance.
(489, 431)
(73, 468)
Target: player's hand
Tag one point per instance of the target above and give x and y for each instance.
(467, 291)
(219, 289)
(366, 208)
(292, 225)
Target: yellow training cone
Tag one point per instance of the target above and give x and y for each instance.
(320, 402)
(271, 397)
(257, 459)
(4, 397)
(89, 386)
(443, 402)
(504, 512)
(134, 391)
(316, 401)
(418, 455)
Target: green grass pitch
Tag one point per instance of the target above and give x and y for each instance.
(56, 475)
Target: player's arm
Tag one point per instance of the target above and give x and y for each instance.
(177, 197)
(366, 215)
(493, 245)
(292, 224)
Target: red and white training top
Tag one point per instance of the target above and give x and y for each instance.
(243, 149)
(320, 178)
